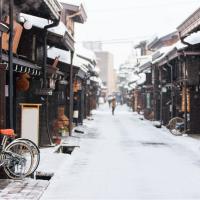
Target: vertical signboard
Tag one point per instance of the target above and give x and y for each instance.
(30, 122)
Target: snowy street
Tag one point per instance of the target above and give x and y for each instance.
(124, 157)
(99, 100)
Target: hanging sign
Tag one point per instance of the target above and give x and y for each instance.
(184, 100)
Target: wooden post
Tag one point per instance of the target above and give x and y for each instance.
(2, 80)
(10, 63)
(71, 94)
(185, 96)
(0, 32)
(161, 96)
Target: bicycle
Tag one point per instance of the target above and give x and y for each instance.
(20, 158)
(176, 126)
(35, 151)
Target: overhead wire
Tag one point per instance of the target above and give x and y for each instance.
(119, 40)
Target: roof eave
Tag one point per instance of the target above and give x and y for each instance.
(191, 24)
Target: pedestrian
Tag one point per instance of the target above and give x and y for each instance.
(113, 105)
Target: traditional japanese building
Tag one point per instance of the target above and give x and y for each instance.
(25, 66)
(38, 76)
(189, 32)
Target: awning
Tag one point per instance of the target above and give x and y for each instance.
(23, 66)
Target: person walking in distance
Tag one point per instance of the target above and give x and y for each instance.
(113, 103)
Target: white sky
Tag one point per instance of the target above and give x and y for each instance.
(131, 21)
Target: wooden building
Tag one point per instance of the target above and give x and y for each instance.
(191, 57)
(25, 70)
(38, 77)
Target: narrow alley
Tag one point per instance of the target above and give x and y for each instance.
(99, 99)
(124, 157)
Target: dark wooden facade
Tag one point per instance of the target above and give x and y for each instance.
(46, 81)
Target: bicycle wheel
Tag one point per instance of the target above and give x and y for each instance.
(173, 128)
(36, 153)
(19, 160)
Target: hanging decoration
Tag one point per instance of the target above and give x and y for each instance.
(184, 100)
(22, 83)
(76, 86)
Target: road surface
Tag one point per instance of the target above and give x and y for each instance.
(124, 157)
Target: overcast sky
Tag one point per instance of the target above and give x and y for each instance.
(120, 24)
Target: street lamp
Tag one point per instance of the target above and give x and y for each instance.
(26, 23)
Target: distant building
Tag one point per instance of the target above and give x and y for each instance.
(107, 72)
(105, 64)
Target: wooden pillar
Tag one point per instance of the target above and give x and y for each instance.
(71, 94)
(10, 63)
(161, 96)
(185, 95)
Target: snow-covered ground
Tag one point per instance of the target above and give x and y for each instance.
(123, 157)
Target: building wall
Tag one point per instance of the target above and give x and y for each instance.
(107, 72)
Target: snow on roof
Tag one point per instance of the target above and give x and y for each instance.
(132, 77)
(138, 78)
(194, 38)
(64, 56)
(141, 79)
(126, 69)
(86, 53)
(71, 2)
(179, 45)
(144, 63)
(164, 51)
(82, 63)
(145, 66)
(95, 79)
(39, 22)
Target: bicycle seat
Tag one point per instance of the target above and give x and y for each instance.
(7, 132)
